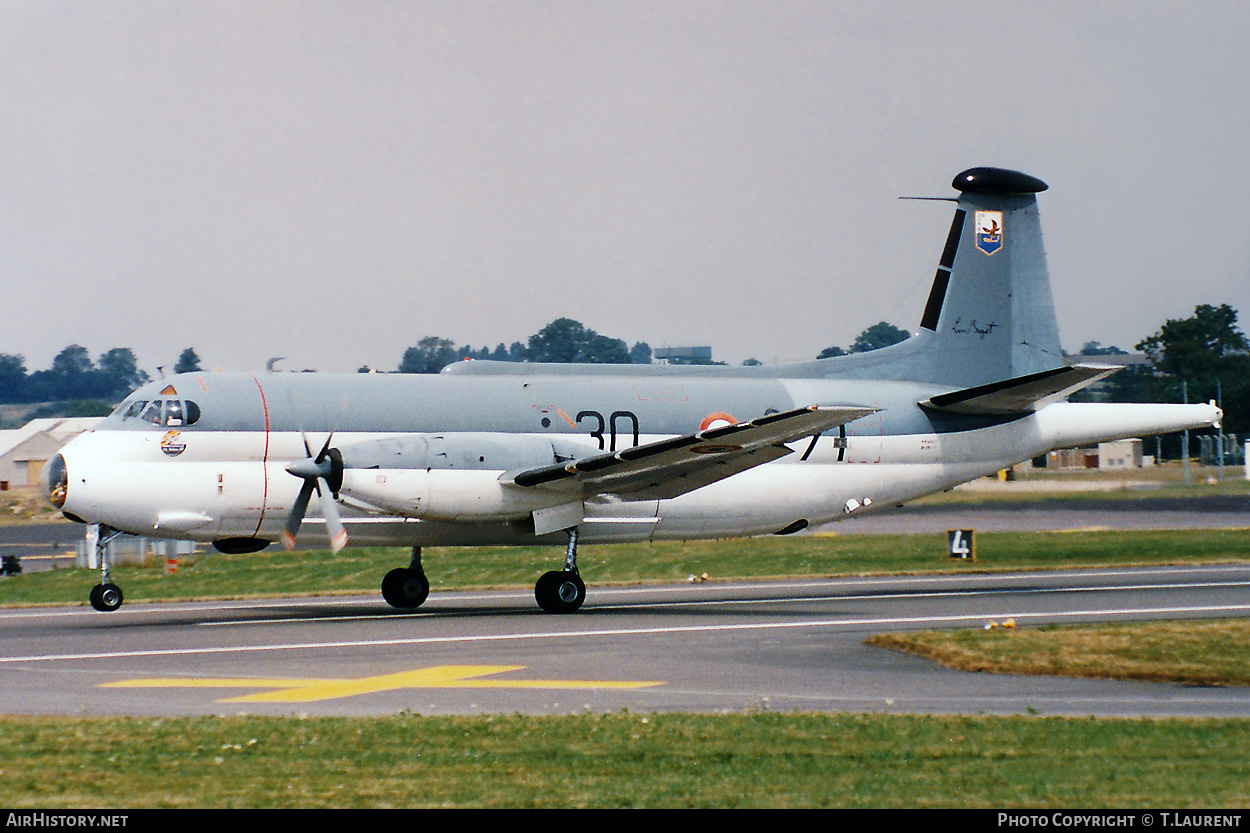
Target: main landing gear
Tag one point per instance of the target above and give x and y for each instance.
(105, 596)
(562, 591)
(558, 591)
(406, 587)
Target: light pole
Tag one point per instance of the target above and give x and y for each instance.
(1185, 435)
(1219, 401)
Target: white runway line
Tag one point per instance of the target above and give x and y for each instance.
(975, 618)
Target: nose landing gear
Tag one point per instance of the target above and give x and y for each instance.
(105, 596)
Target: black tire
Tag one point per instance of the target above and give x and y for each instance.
(560, 591)
(405, 589)
(106, 597)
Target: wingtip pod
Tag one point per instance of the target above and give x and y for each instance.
(1068, 424)
(997, 181)
(1219, 414)
(1209, 415)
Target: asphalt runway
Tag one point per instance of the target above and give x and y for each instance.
(42, 546)
(704, 647)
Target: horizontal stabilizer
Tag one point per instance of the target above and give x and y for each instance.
(1021, 394)
(672, 467)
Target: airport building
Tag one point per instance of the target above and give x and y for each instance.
(25, 450)
(701, 354)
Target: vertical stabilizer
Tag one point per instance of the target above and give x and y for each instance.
(990, 310)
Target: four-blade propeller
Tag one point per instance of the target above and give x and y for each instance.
(325, 469)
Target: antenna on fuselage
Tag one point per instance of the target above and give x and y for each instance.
(269, 364)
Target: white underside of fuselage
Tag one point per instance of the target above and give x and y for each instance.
(235, 484)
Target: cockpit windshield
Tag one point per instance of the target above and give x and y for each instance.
(164, 412)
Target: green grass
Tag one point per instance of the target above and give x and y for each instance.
(1193, 653)
(624, 760)
(760, 760)
(275, 572)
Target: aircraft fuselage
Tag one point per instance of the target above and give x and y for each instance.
(442, 442)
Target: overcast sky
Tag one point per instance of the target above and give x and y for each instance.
(332, 181)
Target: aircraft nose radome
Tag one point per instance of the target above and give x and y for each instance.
(997, 181)
(53, 481)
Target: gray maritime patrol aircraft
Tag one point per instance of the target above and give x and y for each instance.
(501, 453)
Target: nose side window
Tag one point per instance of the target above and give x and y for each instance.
(173, 412)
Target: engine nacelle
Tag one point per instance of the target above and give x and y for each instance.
(479, 451)
(445, 494)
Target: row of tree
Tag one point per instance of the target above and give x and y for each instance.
(563, 340)
(73, 376)
(881, 334)
(1199, 358)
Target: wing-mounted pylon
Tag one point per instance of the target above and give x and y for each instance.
(1021, 394)
(669, 468)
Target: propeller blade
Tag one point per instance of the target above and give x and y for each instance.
(296, 517)
(334, 524)
(314, 471)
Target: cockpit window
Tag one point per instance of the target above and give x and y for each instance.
(152, 413)
(171, 412)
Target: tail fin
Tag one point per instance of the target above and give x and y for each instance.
(990, 315)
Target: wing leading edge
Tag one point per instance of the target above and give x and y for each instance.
(669, 468)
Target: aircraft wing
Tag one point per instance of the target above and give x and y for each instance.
(668, 468)
(1021, 394)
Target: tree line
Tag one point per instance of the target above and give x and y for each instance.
(74, 376)
(1202, 358)
(1199, 358)
(563, 340)
(881, 334)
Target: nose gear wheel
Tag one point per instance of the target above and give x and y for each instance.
(105, 596)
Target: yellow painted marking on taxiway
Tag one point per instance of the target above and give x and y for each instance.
(294, 690)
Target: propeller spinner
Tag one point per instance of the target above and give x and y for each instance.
(325, 469)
